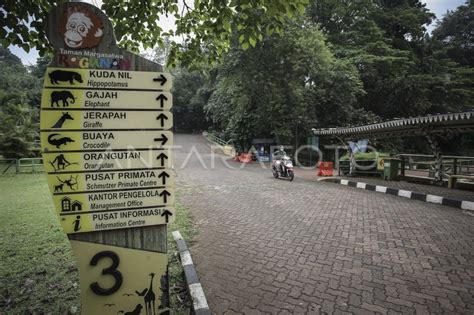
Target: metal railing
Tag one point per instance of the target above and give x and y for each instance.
(423, 165)
(225, 146)
(415, 166)
(30, 165)
(23, 165)
(8, 166)
(216, 140)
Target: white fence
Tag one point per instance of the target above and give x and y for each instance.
(23, 165)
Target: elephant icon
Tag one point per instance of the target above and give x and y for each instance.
(63, 96)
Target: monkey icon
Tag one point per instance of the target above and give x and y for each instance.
(60, 163)
(80, 27)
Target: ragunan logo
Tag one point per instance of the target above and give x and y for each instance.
(80, 27)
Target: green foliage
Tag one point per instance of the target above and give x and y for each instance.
(379, 64)
(19, 108)
(18, 130)
(339, 18)
(207, 26)
(403, 21)
(190, 93)
(282, 88)
(404, 71)
(455, 33)
(39, 69)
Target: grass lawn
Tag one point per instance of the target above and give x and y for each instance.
(37, 268)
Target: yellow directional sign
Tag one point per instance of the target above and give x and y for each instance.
(125, 218)
(81, 162)
(117, 280)
(106, 147)
(107, 79)
(109, 180)
(64, 99)
(103, 120)
(57, 141)
(81, 201)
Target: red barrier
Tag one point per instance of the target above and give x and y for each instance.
(325, 169)
(245, 157)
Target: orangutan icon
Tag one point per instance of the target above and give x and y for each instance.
(80, 27)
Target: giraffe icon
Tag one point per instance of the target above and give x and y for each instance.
(149, 297)
(65, 116)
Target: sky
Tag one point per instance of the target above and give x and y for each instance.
(438, 7)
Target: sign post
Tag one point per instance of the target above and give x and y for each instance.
(105, 115)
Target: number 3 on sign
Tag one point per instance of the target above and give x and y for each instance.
(112, 271)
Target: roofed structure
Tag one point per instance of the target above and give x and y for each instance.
(413, 126)
(431, 127)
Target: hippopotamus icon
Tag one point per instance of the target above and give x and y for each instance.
(61, 75)
(63, 96)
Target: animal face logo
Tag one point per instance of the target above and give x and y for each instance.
(80, 27)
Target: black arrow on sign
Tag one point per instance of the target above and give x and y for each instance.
(161, 79)
(162, 157)
(165, 194)
(163, 139)
(163, 176)
(162, 117)
(166, 214)
(162, 98)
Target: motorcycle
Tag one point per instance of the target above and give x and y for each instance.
(283, 168)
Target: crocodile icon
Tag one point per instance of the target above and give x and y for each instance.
(60, 141)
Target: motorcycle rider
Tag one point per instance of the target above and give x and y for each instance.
(278, 155)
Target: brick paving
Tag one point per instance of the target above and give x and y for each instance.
(272, 246)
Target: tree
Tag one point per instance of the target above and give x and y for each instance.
(207, 26)
(452, 58)
(19, 104)
(18, 130)
(337, 18)
(39, 69)
(159, 54)
(191, 92)
(385, 40)
(456, 34)
(281, 88)
(17, 81)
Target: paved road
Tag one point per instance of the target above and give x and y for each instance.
(272, 246)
